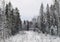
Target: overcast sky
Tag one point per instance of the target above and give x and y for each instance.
(29, 8)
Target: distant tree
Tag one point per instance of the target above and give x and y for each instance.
(24, 25)
(27, 25)
(36, 25)
(30, 24)
(24, 22)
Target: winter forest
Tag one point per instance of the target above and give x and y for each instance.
(43, 28)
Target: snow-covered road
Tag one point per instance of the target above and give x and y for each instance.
(30, 36)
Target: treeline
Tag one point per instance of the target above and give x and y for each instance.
(49, 19)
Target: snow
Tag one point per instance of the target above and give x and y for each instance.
(31, 36)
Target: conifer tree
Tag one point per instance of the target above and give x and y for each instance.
(27, 25)
(41, 17)
(18, 20)
(48, 19)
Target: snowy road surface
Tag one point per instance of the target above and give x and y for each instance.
(30, 36)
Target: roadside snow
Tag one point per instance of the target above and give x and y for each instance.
(30, 36)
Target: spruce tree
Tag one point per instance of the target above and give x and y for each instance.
(12, 21)
(18, 20)
(41, 17)
(48, 18)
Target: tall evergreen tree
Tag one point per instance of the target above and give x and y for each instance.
(8, 26)
(57, 19)
(12, 21)
(41, 18)
(24, 25)
(48, 18)
(18, 20)
(41, 12)
(51, 12)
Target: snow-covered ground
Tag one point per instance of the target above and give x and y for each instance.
(30, 36)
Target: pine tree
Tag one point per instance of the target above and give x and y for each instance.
(41, 18)
(18, 20)
(12, 21)
(7, 20)
(24, 25)
(57, 20)
(41, 12)
(9, 15)
(48, 18)
(51, 12)
(27, 25)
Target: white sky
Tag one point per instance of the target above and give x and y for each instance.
(29, 8)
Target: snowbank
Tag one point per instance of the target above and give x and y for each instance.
(30, 36)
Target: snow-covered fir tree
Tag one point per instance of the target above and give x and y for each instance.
(42, 18)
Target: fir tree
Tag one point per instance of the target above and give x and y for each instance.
(42, 18)
(48, 18)
(18, 20)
